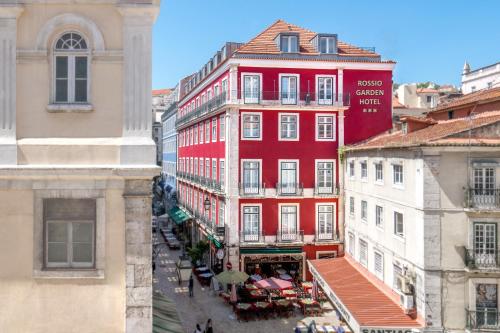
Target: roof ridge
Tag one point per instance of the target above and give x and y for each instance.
(260, 34)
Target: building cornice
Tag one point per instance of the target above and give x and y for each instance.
(11, 11)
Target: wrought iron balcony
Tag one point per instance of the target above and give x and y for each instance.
(480, 198)
(290, 189)
(326, 237)
(251, 237)
(210, 106)
(326, 190)
(285, 236)
(252, 189)
(481, 259)
(483, 319)
(276, 97)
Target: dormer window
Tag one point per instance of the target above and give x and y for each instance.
(289, 43)
(327, 45)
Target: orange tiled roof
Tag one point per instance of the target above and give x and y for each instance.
(159, 92)
(369, 305)
(427, 90)
(396, 104)
(264, 42)
(468, 99)
(437, 134)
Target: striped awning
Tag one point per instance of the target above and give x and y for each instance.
(165, 316)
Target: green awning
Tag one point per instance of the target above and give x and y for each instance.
(178, 215)
(215, 241)
(165, 316)
(271, 250)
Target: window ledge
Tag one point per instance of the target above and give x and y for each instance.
(63, 108)
(69, 274)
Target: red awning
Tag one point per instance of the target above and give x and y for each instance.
(357, 297)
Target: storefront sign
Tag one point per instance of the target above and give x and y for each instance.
(220, 254)
(386, 330)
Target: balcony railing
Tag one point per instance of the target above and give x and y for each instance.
(274, 97)
(487, 319)
(289, 189)
(210, 106)
(326, 237)
(252, 189)
(326, 190)
(286, 236)
(251, 237)
(483, 198)
(477, 259)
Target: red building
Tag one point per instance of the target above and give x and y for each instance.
(260, 128)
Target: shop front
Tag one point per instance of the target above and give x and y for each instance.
(361, 304)
(284, 263)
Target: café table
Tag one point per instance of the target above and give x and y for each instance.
(284, 307)
(286, 277)
(309, 306)
(251, 286)
(243, 310)
(263, 309)
(290, 293)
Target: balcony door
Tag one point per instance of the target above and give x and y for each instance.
(485, 244)
(251, 223)
(487, 306)
(484, 187)
(288, 176)
(325, 90)
(289, 90)
(251, 177)
(288, 223)
(324, 177)
(251, 88)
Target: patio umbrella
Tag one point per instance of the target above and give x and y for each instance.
(231, 277)
(314, 291)
(273, 283)
(233, 298)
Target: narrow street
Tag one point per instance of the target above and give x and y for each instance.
(205, 305)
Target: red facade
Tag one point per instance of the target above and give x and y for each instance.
(277, 189)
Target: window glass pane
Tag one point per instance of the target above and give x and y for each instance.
(83, 232)
(82, 252)
(57, 252)
(81, 67)
(80, 90)
(61, 67)
(57, 232)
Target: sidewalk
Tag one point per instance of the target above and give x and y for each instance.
(204, 305)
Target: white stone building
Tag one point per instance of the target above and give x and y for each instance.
(413, 97)
(422, 216)
(76, 163)
(486, 77)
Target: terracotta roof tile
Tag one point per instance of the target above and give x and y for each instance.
(368, 304)
(437, 134)
(427, 90)
(158, 92)
(396, 104)
(477, 96)
(264, 42)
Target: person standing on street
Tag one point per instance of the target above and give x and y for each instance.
(208, 326)
(191, 285)
(198, 329)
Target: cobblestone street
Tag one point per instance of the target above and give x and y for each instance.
(206, 305)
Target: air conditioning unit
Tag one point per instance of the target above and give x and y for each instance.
(407, 303)
(406, 285)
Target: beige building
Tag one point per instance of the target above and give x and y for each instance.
(76, 163)
(422, 219)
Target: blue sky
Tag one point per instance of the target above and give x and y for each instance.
(430, 40)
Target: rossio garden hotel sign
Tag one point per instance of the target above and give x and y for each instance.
(369, 93)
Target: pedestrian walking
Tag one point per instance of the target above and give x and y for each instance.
(198, 329)
(208, 326)
(191, 285)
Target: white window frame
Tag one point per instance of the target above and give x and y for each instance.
(214, 170)
(71, 55)
(352, 204)
(351, 249)
(207, 131)
(334, 127)
(222, 213)
(351, 169)
(334, 175)
(365, 211)
(399, 235)
(361, 242)
(289, 43)
(289, 237)
(259, 138)
(364, 178)
(378, 181)
(202, 167)
(297, 174)
(329, 39)
(214, 129)
(382, 216)
(222, 173)
(242, 176)
(325, 236)
(250, 100)
(207, 162)
(196, 137)
(196, 170)
(378, 274)
(242, 219)
(226, 81)
(334, 89)
(216, 89)
(297, 136)
(202, 132)
(222, 127)
(399, 185)
(297, 96)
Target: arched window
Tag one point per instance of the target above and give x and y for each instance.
(71, 69)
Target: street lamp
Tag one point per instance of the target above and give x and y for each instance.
(206, 204)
